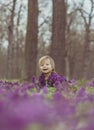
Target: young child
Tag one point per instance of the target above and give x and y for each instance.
(48, 75)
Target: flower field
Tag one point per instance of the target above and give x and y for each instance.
(24, 106)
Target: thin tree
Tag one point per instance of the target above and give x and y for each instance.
(10, 56)
(18, 50)
(31, 39)
(58, 34)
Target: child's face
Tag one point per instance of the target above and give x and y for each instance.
(45, 66)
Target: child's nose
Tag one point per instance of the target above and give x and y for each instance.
(44, 65)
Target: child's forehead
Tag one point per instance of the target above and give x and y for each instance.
(45, 61)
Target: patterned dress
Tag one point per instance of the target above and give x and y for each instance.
(52, 80)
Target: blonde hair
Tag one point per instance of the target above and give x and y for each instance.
(42, 59)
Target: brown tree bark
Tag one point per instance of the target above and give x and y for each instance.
(18, 49)
(58, 35)
(86, 54)
(31, 39)
(10, 57)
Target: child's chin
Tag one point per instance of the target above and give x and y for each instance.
(45, 72)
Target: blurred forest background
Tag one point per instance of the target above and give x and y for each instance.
(63, 29)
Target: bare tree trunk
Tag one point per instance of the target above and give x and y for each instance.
(86, 55)
(58, 35)
(11, 43)
(18, 49)
(31, 40)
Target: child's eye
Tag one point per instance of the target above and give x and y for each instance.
(47, 64)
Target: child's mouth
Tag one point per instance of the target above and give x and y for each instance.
(45, 69)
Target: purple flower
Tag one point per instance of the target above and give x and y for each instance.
(34, 79)
(72, 82)
(90, 125)
(91, 84)
(81, 92)
(58, 86)
(84, 96)
(45, 90)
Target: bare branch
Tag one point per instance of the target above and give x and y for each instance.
(92, 8)
(45, 21)
(82, 15)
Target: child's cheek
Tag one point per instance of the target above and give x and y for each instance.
(40, 67)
